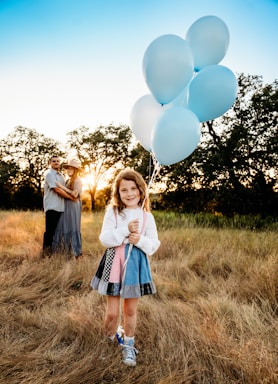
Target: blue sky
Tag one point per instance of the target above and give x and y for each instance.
(67, 63)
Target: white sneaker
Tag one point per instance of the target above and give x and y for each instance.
(129, 355)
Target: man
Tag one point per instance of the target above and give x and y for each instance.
(53, 202)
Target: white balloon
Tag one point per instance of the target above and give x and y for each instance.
(143, 117)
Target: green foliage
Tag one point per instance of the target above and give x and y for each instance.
(237, 158)
(168, 220)
(8, 172)
(233, 170)
(24, 160)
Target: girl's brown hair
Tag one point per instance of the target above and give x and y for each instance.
(71, 180)
(130, 174)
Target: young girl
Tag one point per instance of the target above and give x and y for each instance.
(129, 233)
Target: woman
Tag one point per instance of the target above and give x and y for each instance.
(67, 237)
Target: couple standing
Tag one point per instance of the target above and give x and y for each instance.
(62, 207)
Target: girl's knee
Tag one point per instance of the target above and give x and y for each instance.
(112, 316)
(130, 307)
(113, 308)
(129, 312)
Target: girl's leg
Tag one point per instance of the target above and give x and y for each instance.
(130, 316)
(130, 320)
(112, 315)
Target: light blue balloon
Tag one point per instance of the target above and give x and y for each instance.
(209, 41)
(212, 92)
(167, 67)
(181, 100)
(175, 135)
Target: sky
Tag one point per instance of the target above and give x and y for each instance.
(68, 63)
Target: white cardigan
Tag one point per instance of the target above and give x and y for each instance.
(115, 232)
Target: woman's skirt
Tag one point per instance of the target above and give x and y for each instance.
(114, 277)
(67, 238)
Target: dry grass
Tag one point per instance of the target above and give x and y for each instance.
(214, 318)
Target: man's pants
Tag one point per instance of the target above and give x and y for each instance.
(51, 221)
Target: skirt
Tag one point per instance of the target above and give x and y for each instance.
(115, 278)
(67, 238)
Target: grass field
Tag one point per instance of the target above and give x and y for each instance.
(214, 319)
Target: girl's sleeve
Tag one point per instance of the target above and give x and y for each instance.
(149, 242)
(110, 235)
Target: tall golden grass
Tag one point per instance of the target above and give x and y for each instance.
(214, 319)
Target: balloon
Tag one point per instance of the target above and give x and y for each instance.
(212, 92)
(175, 135)
(167, 67)
(181, 100)
(209, 39)
(143, 117)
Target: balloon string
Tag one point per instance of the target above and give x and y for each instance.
(150, 165)
(155, 172)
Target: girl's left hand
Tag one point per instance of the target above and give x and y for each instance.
(133, 238)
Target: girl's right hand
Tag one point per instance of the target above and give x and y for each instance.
(133, 226)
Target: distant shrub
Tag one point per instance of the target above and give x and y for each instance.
(167, 220)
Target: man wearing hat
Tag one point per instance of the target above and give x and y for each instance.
(53, 202)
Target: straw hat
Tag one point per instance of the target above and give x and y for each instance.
(72, 163)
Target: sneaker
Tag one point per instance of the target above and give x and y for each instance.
(129, 355)
(120, 335)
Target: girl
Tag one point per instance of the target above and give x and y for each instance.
(129, 233)
(67, 237)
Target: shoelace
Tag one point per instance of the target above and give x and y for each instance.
(130, 351)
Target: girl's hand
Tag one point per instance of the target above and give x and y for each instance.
(133, 226)
(74, 193)
(133, 238)
(59, 185)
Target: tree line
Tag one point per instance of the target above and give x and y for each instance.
(232, 171)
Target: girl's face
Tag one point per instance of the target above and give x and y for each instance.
(129, 193)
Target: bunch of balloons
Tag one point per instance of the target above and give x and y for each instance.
(187, 85)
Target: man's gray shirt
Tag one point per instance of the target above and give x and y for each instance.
(51, 200)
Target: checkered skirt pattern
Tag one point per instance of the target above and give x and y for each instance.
(138, 279)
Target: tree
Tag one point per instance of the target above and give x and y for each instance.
(30, 151)
(100, 152)
(244, 159)
(235, 165)
(141, 160)
(8, 173)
